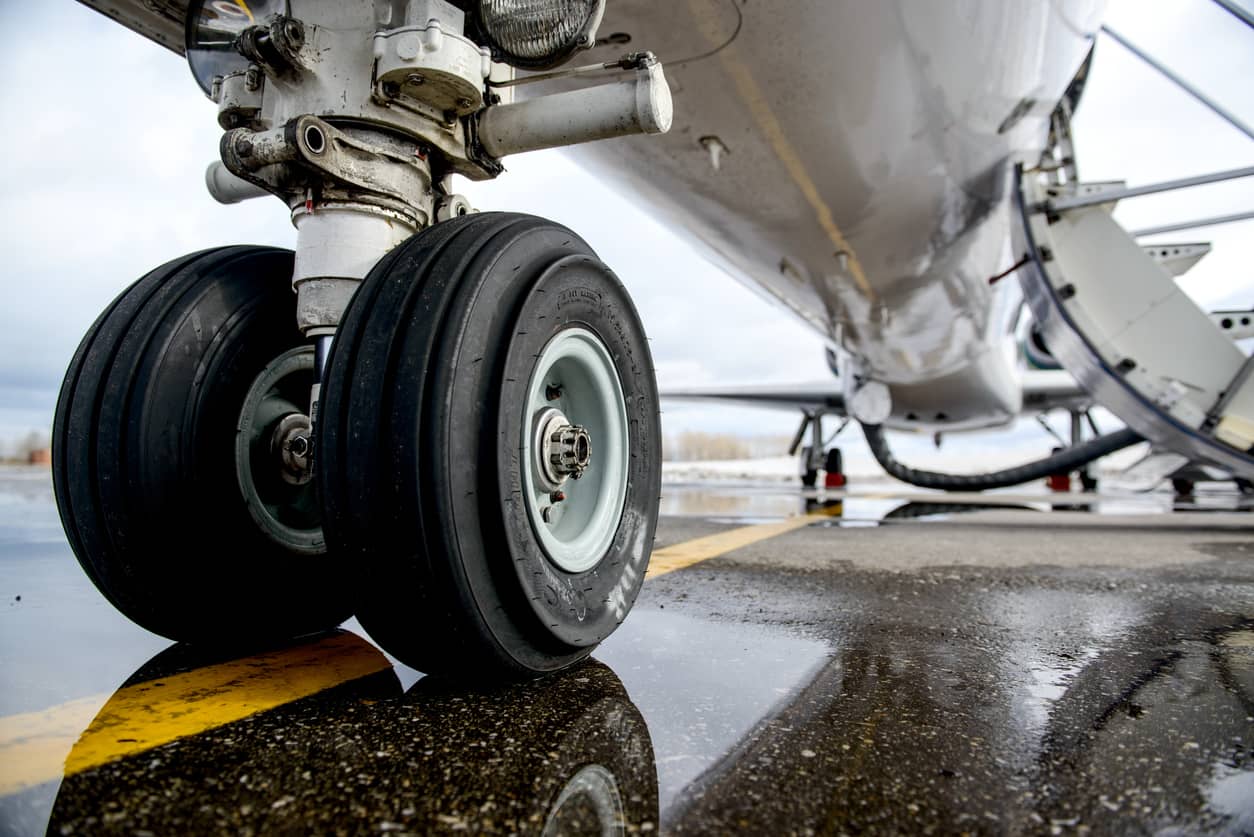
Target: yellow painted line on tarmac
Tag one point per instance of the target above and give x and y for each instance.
(38, 747)
(681, 555)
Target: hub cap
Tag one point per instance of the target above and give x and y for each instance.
(272, 446)
(575, 450)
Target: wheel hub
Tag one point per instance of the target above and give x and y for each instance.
(574, 397)
(291, 444)
(562, 450)
(274, 453)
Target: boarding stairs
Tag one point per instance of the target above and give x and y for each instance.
(1111, 312)
(1109, 308)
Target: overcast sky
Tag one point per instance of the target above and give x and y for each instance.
(108, 138)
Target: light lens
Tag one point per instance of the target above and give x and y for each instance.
(538, 34)
(213, 25)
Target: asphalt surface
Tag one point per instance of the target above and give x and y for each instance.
(904, 663)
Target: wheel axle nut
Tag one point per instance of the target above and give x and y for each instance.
(292, 445)
(299, 446)
(570, 451)
(561, 451)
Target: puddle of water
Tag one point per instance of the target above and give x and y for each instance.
(703, 686)
(746, 502)
(1045, 685)
(739, 502)
(28, 515)
(847, 524)
(1055, 636)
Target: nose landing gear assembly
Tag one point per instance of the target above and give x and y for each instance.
(450, 429)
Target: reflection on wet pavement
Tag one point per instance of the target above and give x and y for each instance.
(919, 741)
(874, 739)
(566, 755)
(877, 501)
(1056, 635)
(1172, 738)
(703, 686)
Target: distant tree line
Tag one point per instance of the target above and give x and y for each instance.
(698, 446)
(20, 448)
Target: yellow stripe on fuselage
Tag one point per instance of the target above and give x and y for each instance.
(759, 107)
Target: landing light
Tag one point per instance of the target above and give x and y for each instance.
(212, 27)
(538, 34)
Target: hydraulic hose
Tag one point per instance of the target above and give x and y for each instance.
(1061, 462)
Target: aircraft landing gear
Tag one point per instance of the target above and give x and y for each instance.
(809, 473)
(486, 451)
(811, 457)
(835, 467)
(464, 403)
(488, 443)
(175, 459)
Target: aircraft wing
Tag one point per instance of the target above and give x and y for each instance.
(1048, 389)
(824, 396)
(1043, 389)
(157, 20)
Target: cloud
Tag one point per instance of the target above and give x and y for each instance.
(107, 184)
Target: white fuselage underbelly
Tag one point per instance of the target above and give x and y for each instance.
(863, 185)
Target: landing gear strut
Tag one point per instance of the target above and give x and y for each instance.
(811, 457)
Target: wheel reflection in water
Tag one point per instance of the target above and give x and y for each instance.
(569, 754)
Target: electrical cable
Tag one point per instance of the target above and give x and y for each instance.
(740, 22)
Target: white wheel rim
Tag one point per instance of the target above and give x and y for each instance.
(580, 528)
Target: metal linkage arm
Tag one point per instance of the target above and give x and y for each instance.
(1109, 195)
(1236, 11)
(1216, 108)
(1194, 224)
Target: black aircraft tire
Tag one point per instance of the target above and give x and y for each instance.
(809, 476)
(419, 449)
(144, 455)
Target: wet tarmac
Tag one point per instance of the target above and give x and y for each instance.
(895, 662)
